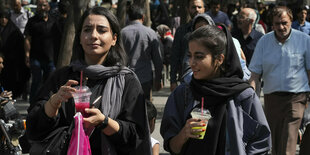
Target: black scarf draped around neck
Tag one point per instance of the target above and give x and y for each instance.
(216, 93)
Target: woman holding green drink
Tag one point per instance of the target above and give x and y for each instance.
(238, 124)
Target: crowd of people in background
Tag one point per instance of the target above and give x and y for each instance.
(163, 52)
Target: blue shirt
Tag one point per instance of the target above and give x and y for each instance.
(220, 17)
(303, 28)
(283, 66)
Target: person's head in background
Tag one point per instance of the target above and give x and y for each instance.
(302, 13)
(135, 12)
(42, 8)
(282, 18)
(215, 7)
(207, 50)
(246, 19)
(195, 7)
(201, 20)
(162, 29)
(151, 115)
(97, 39)
(16, 5)
(4, 17)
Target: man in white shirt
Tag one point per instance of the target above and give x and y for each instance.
(19, 15)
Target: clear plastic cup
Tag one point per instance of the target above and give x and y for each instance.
(204, 117)
(81, 99)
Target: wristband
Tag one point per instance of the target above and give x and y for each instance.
(104, 124)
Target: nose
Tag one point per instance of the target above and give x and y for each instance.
(94, 34)
(192, 61)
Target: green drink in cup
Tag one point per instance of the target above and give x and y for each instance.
(204, 115)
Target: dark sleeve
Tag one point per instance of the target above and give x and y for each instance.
(256, 128)
(157, 57)
(28, 30)
(175, 55)
(38, 123)
(173, 118)
(134, 134)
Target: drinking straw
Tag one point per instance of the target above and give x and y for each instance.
(202, 100)
(81, 80)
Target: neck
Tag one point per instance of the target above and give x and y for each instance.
(301, 22)
(246, 32)
(95, 60)
(282, 40)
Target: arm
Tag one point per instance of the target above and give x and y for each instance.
(65, 92)
(133, 133)
(308, 73)
(155, 149)
(175, 58)
(27, 47)
(260, 141)
(176, 143)
(157, 61)
(254, 79)
(174, 129)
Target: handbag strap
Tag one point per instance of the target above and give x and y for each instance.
(67, 115)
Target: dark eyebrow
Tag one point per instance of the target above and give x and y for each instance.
(199, 52)
(89, 25)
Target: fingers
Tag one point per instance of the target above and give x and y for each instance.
(96, 117)
(193, 127)
(66, 91)
(71, 82)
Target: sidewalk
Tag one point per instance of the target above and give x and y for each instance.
(159, 100)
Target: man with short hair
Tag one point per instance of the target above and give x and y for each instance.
(282, 59)
(245, 33)
(40, 37)
(19, 15)
(179, 46)
(143, 48)
(301, 24)
(218, 16)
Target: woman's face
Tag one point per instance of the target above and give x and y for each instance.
(201, 62)
(96, 38)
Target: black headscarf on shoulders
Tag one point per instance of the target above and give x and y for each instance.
(216, 93)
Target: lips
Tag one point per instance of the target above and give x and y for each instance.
(94, 45)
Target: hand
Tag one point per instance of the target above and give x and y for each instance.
(189, 132)
(64, 93)
(27, 60)
(7, 94)
(173, 86)
(95, 118)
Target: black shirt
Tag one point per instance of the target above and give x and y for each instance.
(43, 37)
(248, 45)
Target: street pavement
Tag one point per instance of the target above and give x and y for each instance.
(159, 100)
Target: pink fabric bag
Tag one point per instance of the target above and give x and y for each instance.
(79, 143)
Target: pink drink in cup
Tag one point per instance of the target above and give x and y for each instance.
(81, 99)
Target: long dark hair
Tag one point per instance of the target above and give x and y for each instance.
(116, 55)
(212, 38)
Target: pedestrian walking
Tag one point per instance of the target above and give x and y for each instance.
(178, 49)
(281, 58)
(143, 49)
(120, 121)
(40, 37)
(238, 124)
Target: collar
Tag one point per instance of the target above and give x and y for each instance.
(287, 39)
(134, 22)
